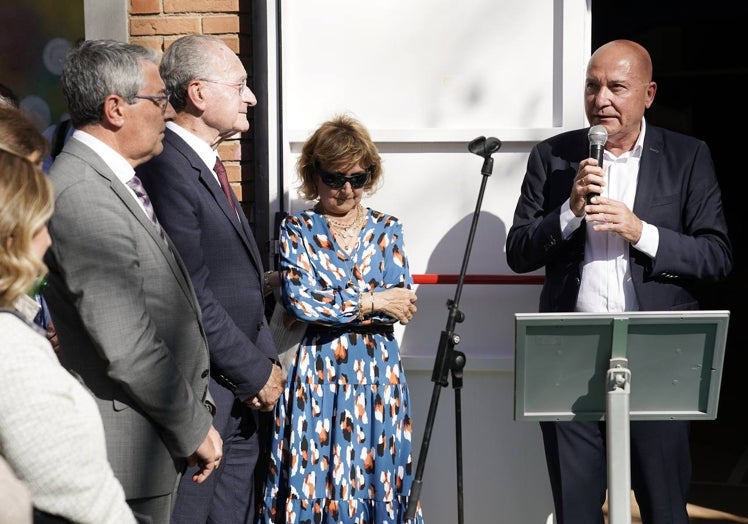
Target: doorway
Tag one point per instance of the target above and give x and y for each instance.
(701, 69)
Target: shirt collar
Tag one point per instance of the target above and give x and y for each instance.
(636, 151)
(639, 146)
(202, 148)
(116, 162)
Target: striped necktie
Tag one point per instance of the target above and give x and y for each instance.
(137, 186)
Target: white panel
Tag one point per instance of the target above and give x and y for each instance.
(504, 473)
(426, 77)
(433, 69)
(420, 64)
(407, 70)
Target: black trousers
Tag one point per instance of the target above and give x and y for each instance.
(576, 457)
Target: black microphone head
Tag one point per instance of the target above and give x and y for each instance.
(483, 146)
(476, 145)
(492, 145)
(597, 135)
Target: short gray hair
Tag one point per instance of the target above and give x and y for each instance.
(188, 58)
(95, 69)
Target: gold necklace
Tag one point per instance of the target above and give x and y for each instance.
(345, 233)
(341, 225)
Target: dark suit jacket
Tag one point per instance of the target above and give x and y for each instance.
(224, 263)
(128, 321)
(677, 191)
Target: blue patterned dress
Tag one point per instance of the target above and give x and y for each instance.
(341, 449)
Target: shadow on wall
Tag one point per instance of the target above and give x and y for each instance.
(488, 327)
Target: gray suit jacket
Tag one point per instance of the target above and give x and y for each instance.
(128, 322)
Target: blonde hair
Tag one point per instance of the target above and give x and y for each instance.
(26, 204)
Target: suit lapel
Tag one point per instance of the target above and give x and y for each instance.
(649, 171)
(90, 156)
(208, 180)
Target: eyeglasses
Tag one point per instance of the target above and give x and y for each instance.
(241, 86)
(161, 100)
(338, 180)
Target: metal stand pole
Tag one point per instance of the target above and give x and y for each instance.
(618, 439)
(446, 358)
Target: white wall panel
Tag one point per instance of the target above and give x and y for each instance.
(426, 77)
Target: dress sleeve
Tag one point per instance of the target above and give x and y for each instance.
(311, 289)
(396, 266)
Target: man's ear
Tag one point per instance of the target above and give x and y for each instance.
(114, 110)
(196, 94)
(650, 94)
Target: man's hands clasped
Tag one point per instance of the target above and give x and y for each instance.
(267, 397)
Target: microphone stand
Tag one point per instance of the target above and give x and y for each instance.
(447, 359)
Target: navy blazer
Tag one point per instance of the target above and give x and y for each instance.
(677, 191)
(224, 263)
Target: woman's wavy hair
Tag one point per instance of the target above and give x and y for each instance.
(19, 133)
(335, 145)
(26, 204)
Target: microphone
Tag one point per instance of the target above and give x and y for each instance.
(597, 136)
(483, 146)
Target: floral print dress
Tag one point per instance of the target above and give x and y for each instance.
(341, 449)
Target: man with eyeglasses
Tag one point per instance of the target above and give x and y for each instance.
(121, 298)
(195, 204)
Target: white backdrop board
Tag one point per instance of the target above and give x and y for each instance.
(427, 77)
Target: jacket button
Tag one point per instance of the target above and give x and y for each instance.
(205, 373)
(259, 326)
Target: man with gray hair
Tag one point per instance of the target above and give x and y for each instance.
(126, 313)
(196, 206)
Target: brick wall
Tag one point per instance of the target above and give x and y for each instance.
(157, 23)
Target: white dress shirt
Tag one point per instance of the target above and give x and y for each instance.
(116, 162)
(606, 284)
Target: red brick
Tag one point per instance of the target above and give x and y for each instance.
(144, 26)
(201, 6)
(141, 7)
(230, 150)
(151, 42)
(220, 24)
(232, 41)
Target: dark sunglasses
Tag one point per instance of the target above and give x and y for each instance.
(338, 180)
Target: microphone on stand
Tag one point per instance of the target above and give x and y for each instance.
(597, 135)
(485, 147)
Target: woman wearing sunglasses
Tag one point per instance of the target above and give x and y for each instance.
(341, 451)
